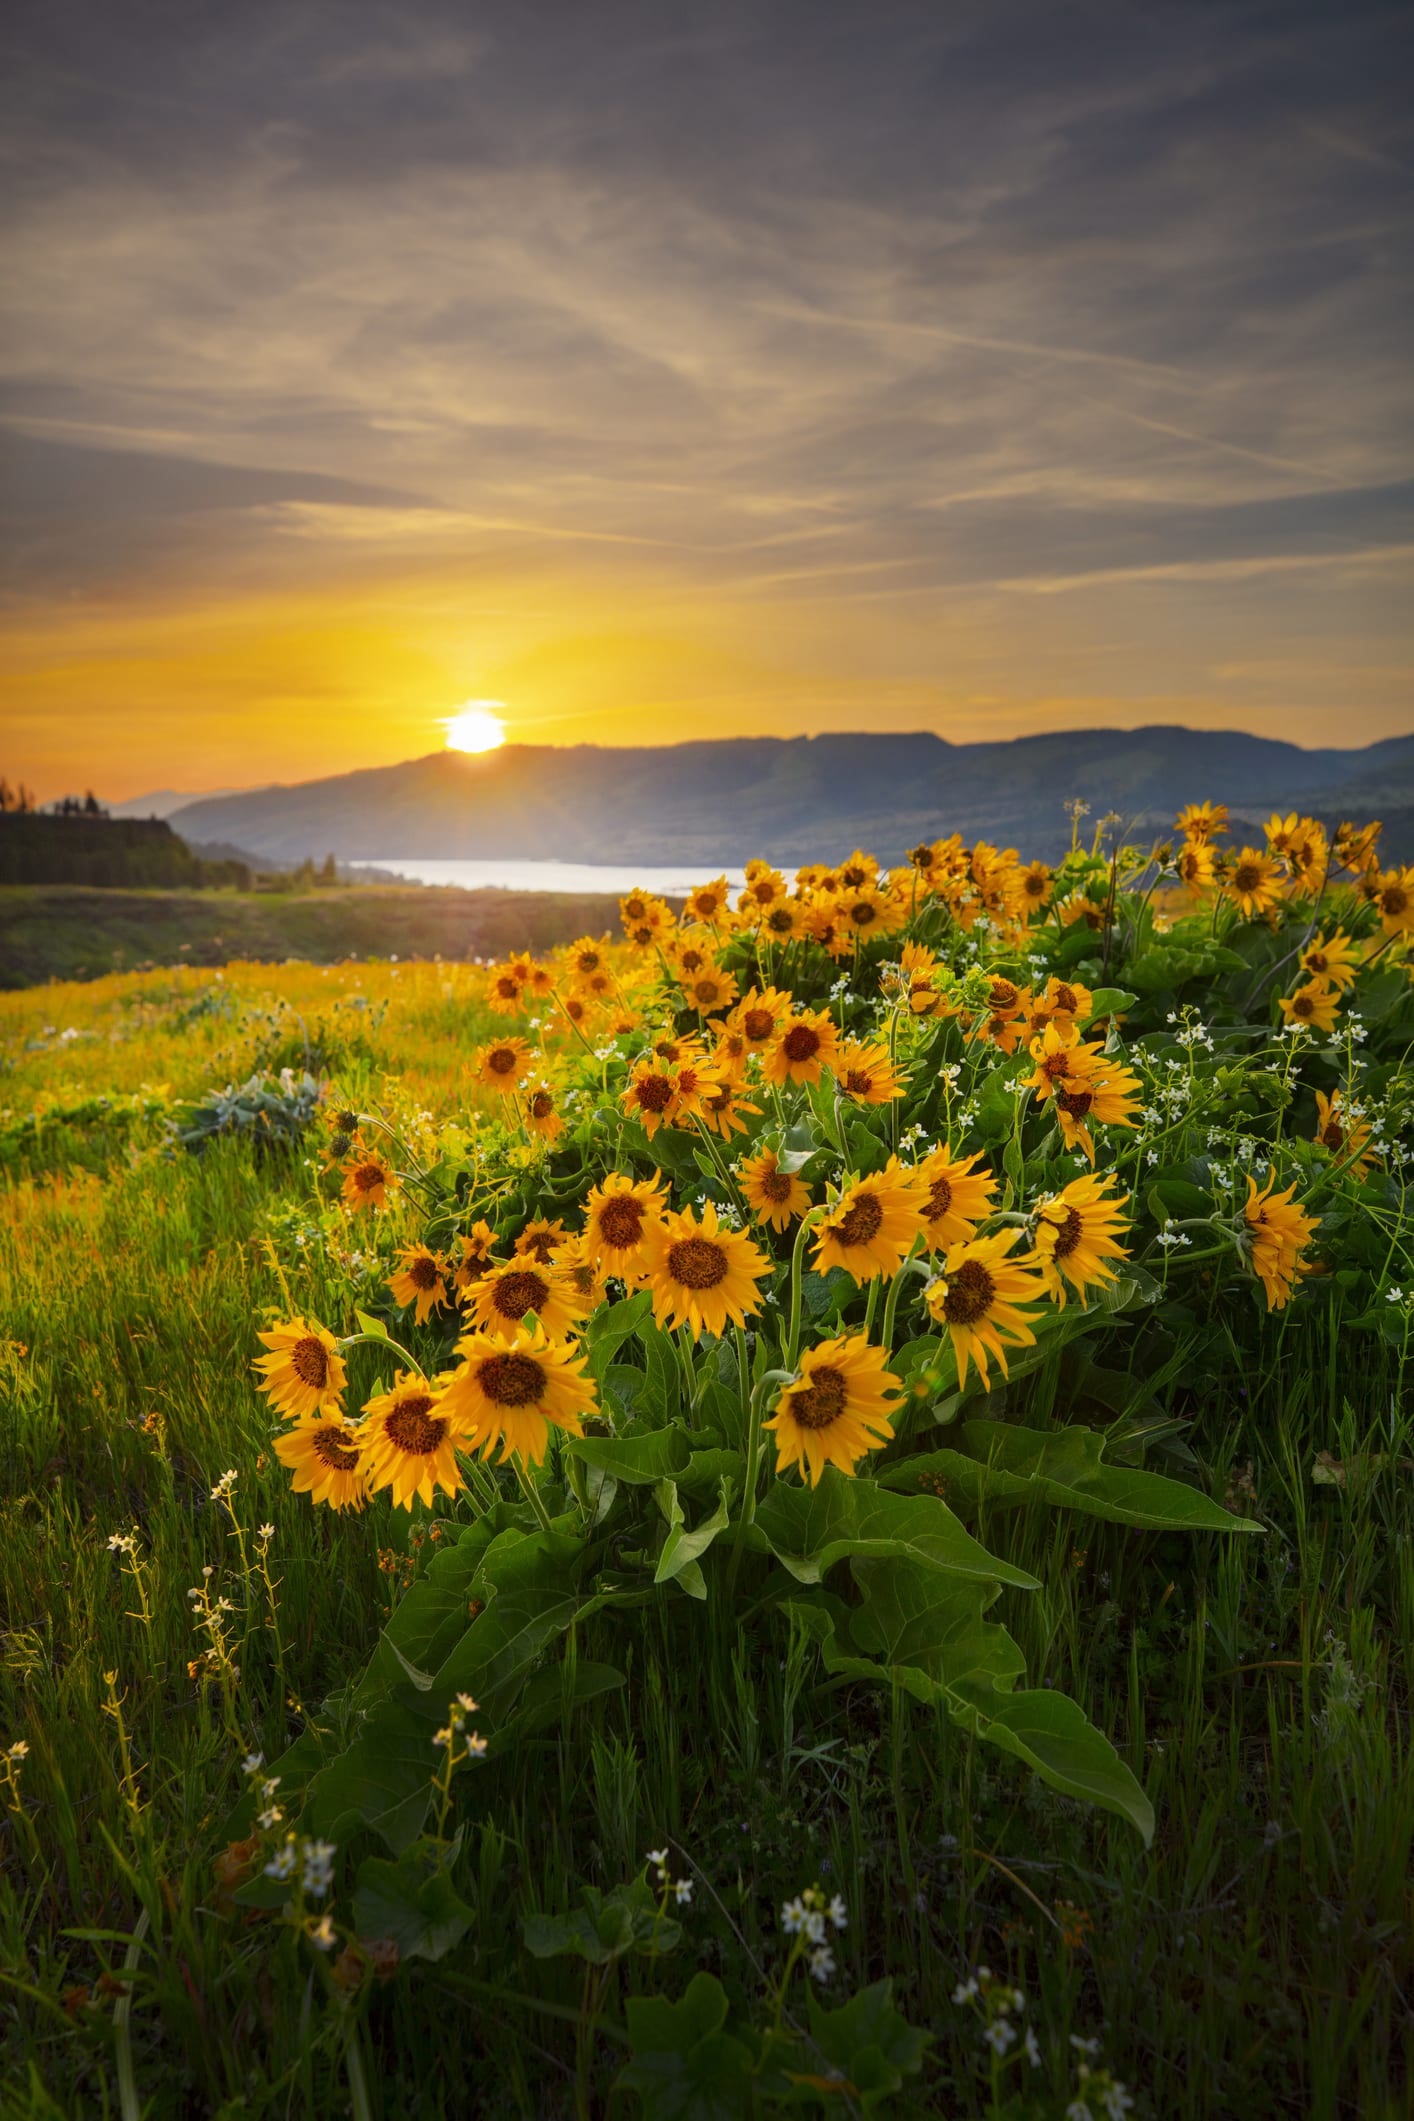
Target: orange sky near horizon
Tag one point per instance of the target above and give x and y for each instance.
(773, 372)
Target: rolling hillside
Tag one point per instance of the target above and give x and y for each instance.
(803, 798)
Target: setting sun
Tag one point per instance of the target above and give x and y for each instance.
(475, 728)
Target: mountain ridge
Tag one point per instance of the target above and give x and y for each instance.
(800, 798)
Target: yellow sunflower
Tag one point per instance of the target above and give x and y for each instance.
(866, 1073)
(1196, 863)
(502, 1065)
(640, 911)
(774, 1196)
(1202, 821)
(500, 1300)
(1279, 1233)
(542, 1115)
(709, 992)
(758, 1016)
(1315, 1005)
(512, 1392)
(1077, 1234)
(419, 1280)
(408, 1441)
(1105, 1095)
(304, 1371)
(693, 950)
(955, 1197)
(540, 1239)
(1395, 899)
(865, 912)
(871, 1227)
(1253, 882)
(708, 903)
(784, 921)
(582, 1271)
(703, 1274)
(982, 1297)
(505, 988)
(477, 1245)
(730, 1053)
(695, 1084)
(322, 1452)
(1343, 1136)
(803, 1045)
(1331, 958)
(1034, 886)
(368, 1180)
(649, 1094)
(764, 885)
(837, 1410)
(587, 956)
(619, 1216)
(725, 1109)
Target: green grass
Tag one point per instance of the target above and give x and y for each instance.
(1256, 1960)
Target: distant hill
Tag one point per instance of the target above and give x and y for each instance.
(162, 802)
(113, 853)
(795, 799)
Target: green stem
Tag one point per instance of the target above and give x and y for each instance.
(531, 1492)
(905, 1267)
(385, 1340)
(797, 1267)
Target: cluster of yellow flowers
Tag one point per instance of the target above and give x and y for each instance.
(521, 1371)
(1298, 855)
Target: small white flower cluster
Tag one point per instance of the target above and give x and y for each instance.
(473, 1744)
(122, 1542)
(1098, 2093)
(998, 2003)
(18, 1751)
(313, 1859)
(680, 1889)
(1173, 1237)
(811, 1916)
(223, 1487)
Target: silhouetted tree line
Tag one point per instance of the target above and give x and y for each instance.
(20, 800)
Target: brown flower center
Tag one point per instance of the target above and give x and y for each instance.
(861, 1221)
(1068, 1234)
(621, 1221)
(1004, 995)
(1333, 1134)
(508, 989)
(697, 1263)
(539, 1244)
(1076, 1102)
(1315, 961)
(370, 1176)
(515, 1294)
(653, 1092)
(801, 1043)
(693, 959)
(1303, 1005)
(707, 991)
(939, 1199)
(1246, 877)
(502, 1060)
(309, 1359)
(411, 1429)
(779, 920)
(970, 1294)
(330, 1451)
(422, 1272)
(775, 1185)
(853, 877)
(821, 1402)
(511, 1380)
(541, 1105)
(858, 1082)
(1056, 1067)
(1394, 899)
(863, 913)
(588, 960)
(758, 1024)
(1067, 1001)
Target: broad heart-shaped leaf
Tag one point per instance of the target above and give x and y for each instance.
(935, 1644)
(642, 1461)
(1053, 1735)
(613, 1324)
(685, 2066)
(604, 1926)
(411, 1901)
(1002, 1464)
(383, 1778)
(681, 1548)
(810, 1529)
(434, 1614)
(869, 2042)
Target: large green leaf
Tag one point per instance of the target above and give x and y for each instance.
(869, 2042)
(1053, 1735)
(686, 2066)
(641, 1461)
(411, 1902)
(682, 1549)
(611, 1325)
(604, 1927)
(810, 1529)
(995, 1462)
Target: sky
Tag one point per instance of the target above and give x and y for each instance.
(984, 366)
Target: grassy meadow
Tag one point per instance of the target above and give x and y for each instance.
(1077, 1684)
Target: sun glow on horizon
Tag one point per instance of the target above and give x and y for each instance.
(475, 727)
